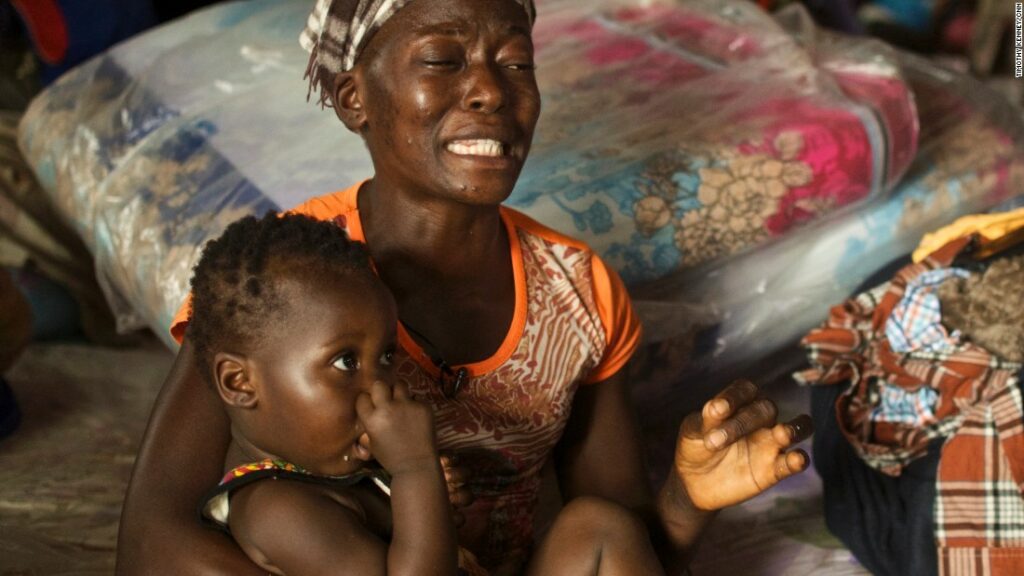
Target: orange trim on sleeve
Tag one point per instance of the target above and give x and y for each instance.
(180, 322)
(537, 229)
(336, 205)
(621, 326)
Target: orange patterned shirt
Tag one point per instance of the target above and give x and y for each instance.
(573, 324)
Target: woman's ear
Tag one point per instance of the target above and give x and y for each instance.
(347, 101)
(233, 378)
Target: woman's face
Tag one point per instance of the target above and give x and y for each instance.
(450, 98)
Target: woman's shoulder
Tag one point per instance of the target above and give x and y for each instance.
(532, 227)
(330, 206)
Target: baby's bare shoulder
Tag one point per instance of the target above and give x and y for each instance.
(267, 508)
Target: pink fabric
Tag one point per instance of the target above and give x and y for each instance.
(778, 134)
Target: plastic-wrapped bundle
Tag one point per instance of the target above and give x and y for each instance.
(676, 134)
(731, 316)
(658, 145)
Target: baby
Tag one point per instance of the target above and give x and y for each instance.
(296, 333)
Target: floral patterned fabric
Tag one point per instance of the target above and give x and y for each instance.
(708, 127)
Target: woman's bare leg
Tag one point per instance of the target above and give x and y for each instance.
(592, 536)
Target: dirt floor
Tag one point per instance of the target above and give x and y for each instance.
(66, 468)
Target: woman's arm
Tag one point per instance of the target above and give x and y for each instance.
(600, 454)
(181, 458)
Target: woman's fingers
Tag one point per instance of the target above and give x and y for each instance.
(460, 497)
(726, 402)
(790, 463)
(754, 415)
(449, 459)
(793, 432)
(455, 476)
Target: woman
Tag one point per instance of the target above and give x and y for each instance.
(515, 334)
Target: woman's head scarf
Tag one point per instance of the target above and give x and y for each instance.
(337, 31)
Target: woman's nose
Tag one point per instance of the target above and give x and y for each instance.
(485, 90)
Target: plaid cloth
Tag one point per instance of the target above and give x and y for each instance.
(915, 323)
(979, 508)
(909, 408)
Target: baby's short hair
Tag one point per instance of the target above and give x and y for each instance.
(234, 295)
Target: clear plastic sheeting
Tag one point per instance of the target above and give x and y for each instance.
(971, 160)
(680, 133)
(741, 172)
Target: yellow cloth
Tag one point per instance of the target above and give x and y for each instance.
(989, 227)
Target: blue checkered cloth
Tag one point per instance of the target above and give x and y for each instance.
(915, 323)
(896, 404)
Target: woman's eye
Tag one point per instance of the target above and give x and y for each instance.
(522, 67)
(441, 63)
(346, 362)
(387, 358)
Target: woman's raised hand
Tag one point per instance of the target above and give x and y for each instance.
(733, 449)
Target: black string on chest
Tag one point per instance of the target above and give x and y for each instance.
(449, 380)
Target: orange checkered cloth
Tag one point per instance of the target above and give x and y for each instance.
(979, 508)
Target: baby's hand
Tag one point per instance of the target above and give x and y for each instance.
(400, 429)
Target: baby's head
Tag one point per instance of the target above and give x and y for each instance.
(290, 324)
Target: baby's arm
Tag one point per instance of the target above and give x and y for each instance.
(401, 433)
(298, 529)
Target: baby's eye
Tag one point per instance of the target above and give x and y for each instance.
(387, 358)
(346, 362)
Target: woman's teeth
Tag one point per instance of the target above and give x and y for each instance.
(491, 148)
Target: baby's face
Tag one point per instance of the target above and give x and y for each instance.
(335, 340)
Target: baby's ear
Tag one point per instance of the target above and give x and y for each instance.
(348, 102)
(233, 377)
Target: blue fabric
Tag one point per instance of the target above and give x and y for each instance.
(55, 314)
(887, 522)
(915, 323)
(900, 406)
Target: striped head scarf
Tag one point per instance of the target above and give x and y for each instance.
(337, 31)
